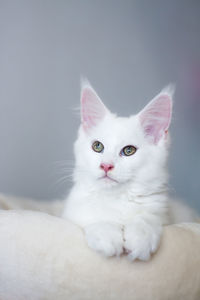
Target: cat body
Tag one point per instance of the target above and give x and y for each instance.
(120, 195)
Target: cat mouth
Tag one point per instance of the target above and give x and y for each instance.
(108, 178)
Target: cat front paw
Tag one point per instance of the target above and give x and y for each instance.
(141, 240)
(105, 238)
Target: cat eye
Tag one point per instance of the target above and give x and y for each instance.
(128, 150)
(97, 146)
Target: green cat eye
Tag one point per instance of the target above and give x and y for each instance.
(128, 150)
(97, 146)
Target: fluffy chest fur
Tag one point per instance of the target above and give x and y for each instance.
(85, 207)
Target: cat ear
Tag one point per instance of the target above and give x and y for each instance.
(155, 118)
(92, 108)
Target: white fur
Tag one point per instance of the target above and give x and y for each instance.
(126, 214)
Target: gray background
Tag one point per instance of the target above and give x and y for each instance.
(129, 50)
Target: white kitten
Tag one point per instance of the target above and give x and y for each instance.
(119, 195)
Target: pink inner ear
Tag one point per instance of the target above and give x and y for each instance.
(156, 116)
(92, 108)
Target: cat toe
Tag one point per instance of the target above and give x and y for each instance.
(105, 239)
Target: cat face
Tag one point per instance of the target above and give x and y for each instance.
(111, 151)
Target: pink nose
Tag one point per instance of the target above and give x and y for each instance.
(106, 167)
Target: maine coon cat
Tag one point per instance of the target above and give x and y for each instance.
(119, 195)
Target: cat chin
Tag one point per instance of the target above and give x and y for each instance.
(110, 182)
(107, 182)
(107, 178)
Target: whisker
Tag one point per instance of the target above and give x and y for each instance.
(64, 179)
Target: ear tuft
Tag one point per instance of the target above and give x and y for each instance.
(169, 90)
(85, 83)
(155, 118)
(92, 108)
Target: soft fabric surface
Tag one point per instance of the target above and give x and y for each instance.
(54, 207)
(44, 257)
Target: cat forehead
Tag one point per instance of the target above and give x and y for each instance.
(117, 129)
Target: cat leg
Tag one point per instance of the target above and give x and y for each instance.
(105, 238)
(142, 237)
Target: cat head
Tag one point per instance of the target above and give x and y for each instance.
(111, 151)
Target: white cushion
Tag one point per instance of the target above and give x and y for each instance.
(45, 257)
